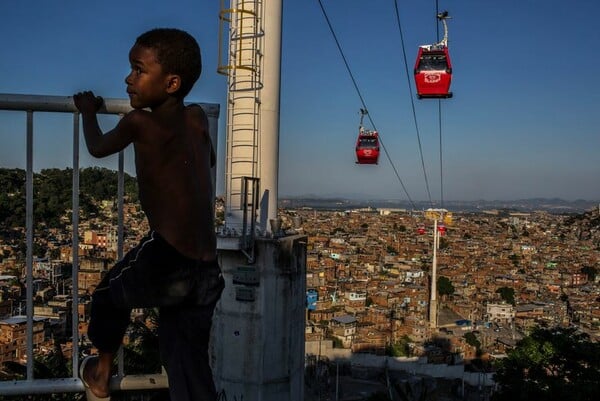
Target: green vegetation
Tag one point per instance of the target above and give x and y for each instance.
(472, 340)
(50, 366)
(550, 364)
(444, 286)
(507, 294)
(141, 354)
(52, 194)
(400, 348)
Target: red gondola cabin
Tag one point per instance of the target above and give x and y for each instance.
(433, 72)
(367, 147)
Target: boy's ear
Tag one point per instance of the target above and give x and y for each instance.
(173, 83)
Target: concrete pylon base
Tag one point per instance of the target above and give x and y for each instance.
(257, 346)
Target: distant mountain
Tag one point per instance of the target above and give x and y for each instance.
(553, 205)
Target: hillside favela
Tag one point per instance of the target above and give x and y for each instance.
(467, 302)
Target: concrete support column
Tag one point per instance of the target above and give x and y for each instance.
(257, 346)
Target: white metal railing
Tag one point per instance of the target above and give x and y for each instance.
(64, 104)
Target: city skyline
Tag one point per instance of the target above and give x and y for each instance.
(520, 125)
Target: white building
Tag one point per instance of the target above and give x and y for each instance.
(500, 313)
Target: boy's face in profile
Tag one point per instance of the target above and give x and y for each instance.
(147, 84)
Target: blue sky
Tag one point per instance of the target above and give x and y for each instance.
(522, 122)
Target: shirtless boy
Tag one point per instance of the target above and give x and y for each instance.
(174, 267)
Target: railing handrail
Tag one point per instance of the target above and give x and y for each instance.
(65, 104)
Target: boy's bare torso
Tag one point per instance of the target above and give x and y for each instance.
(174, 177)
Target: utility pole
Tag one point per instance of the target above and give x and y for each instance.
(437, 215)
(433, 301)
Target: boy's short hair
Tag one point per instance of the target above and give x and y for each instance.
(177, 52)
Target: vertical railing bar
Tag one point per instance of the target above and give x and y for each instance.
(120, 195)
(29, 239)
(75, 249)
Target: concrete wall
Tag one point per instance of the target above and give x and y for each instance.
(414, 365)
(258, 331)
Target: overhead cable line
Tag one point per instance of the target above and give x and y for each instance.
(363, 102)
(412, 101)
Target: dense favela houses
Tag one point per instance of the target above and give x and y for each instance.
(52, 286)
(368, 280)
(499, 275)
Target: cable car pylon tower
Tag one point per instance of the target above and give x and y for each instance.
(440, 218)
(262, 307)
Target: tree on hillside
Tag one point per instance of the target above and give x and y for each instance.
(142, 351)
(444, 286)
(550, 364)
(472, 340)
(52, 365)
(12, 197)
(400, 348)
(507, 294)
(53, 190)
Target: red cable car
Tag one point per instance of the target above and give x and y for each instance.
(421, 230)
(442, 229)
(433, 72)
(367, 147)
(367, 144)
(433, 69)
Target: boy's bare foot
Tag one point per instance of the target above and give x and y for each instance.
(96, 377)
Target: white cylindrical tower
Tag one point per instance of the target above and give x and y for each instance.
(269, 116)
(252, 65)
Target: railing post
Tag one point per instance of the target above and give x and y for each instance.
(29, 240)
(120, 239)
(75, 247)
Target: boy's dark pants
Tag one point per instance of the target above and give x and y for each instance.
(154, 274)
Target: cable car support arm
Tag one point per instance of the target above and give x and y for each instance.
(443, 16)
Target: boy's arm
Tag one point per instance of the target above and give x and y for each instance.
(99, 144)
